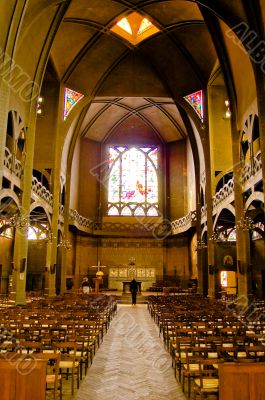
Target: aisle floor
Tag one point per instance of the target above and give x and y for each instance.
(131, 363)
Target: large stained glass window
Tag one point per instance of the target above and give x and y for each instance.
(71, 98)
(133, 184)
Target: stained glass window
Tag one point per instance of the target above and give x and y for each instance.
(5, 229)
(124, 24)
(37, 232)
(256, 235)
(226, 235)
(71, 98)
(232, 236)
(133, 184)
(196, 101)
(145, 24)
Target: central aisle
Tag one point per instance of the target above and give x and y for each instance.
(131, 363)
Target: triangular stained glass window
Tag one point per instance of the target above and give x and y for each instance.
(145, 24)
(71, 98)
(124, 24)
(196, 101)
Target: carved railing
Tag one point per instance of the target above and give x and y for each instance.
(18, 169)
(8, 159)
(41, 191)
(223, 193)
(78, 219)
(251, 169)
(11, 163)
(184, 223)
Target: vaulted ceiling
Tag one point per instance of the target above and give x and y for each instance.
(146, 80)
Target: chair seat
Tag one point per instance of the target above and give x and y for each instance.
(68, 364)
(208, 384)
(50, 379)
(241, 354)
(212, 355)
(191, 367)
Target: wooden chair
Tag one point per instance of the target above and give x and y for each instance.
(82, 351)
(190, 369)
(29, 347)
(207, 383)
(69, 360)
(53, 378)
(182, 345)
(256, 353)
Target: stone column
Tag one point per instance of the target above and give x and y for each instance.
(243, 242)
(208, 200)
(21, 242)
(52, 249)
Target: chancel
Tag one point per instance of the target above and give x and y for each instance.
(132, 146)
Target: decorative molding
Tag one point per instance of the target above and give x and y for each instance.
(78, 220)
(155, 229)
(8, 159)
(39, 190)
(251, 169)
(184, 223)
(132, 244)
(226, 191)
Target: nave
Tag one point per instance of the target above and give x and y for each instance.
(131, 363)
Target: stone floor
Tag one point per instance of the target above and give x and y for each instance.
(131, 363)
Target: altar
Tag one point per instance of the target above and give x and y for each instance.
(126, 286)
(120, 277)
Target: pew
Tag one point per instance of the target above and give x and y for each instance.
(22, 379)
(242, 381)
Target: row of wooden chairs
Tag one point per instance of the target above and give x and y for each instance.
(67, 340)
(200, 334)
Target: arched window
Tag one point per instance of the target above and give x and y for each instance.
(133, 183)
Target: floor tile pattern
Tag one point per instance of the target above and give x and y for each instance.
(131, 363)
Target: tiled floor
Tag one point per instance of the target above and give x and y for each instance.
(131, 363)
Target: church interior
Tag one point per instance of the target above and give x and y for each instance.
(133, 146)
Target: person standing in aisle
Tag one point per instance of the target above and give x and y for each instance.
(133, 290)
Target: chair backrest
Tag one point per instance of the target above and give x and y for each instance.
(67, 350)
(207, 370)
(30, 347)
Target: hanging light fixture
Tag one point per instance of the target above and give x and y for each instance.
(228, 113)
(245, 223)
(64, 243)
(39, 104)
(201, 245)
(214, 237)
(19, 220)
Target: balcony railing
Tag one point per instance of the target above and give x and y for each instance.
(41, 191)
(223, 193)
(184, 223)
(79, 220)
(249, 171)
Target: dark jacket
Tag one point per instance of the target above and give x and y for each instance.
(133, 286)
